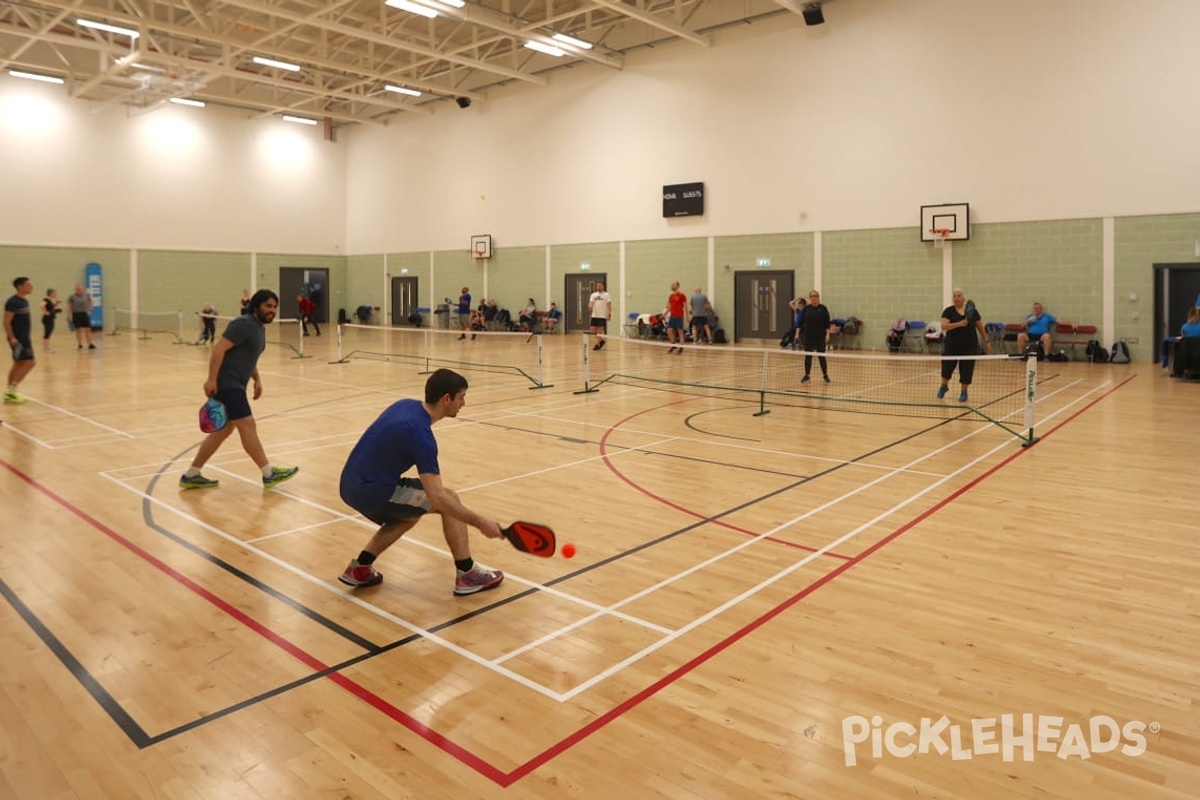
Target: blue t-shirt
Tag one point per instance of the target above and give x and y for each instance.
(249, 339)
(1191, 329)
(1038, 326)
(401, 438)
(464, 304)
(22, 320)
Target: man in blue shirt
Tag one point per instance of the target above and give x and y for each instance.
(1038, 326)
(373, 484)
(18, 323)
(464, 311)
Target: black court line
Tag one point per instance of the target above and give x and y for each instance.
(141, 739)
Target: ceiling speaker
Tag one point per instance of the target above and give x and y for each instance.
(813, 15)
(465, 102)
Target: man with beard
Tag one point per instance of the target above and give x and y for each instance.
(234, 363)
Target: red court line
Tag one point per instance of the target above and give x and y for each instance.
(757, 623)
(671, 504)
(306, 658)
(459, 752)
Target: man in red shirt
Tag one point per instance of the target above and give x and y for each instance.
(307, 309)
(676, 305)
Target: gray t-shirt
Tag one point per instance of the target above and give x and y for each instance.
(249, 339)
(79, 303)
(699, 301)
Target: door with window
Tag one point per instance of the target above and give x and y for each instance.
(577, 292)
(760, 304)
(404, 300)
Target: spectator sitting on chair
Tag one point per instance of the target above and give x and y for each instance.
(528, 316)
(1191, 328)
(552, 317)
(1037, 328)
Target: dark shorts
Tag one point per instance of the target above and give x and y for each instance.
(409, 501)
(81, 319)
(23, 351)
(599, 322)
(237, 404)
(675, 323)
(813, 347)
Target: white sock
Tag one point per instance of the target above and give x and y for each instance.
(12, 387)
(268, 470)
(191, 472)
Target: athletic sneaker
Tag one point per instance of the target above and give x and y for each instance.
(477, 579)
(279, 475)
(805, 379)
(942, 391)
(962, 398)
(358, 575)
(196, 482)
(14, 398)
(826, 377)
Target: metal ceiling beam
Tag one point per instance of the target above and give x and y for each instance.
(387, 41)
(654, 21)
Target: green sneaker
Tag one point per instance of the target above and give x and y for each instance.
(279, 475)
(196, 482)
(14, 398)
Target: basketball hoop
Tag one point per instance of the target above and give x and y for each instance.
(940, 235)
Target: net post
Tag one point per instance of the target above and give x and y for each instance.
(341, 359)
(300, 338)
(763, 386)
(587, 365)
(539, 381)
(179, 336)
(1030, 397)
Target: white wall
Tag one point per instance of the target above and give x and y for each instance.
(174, 177)
(1027, 109)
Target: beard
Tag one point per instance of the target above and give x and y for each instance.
(263, 317)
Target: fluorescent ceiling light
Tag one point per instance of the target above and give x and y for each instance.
(402, 90)
(571, 40)
(270, 62)
(545, 48)
(187, 101)
(104, 26)
(301, 120)
(33, 76)
(412, 8)
(451, 3)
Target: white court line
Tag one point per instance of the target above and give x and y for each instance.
(8, 426)
(84, 419)
(433, 637)
(470, 656)
(357, 519)
(604, 674)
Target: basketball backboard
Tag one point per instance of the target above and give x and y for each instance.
(951, 217)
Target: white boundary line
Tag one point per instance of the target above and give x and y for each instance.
(670, 636)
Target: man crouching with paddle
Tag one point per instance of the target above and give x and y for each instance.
(373, 485)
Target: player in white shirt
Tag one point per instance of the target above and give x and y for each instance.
(600, 310)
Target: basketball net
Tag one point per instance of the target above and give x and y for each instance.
(940, 235)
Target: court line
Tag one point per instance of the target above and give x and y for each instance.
(788, 570)
(82, 418)
(357, 519)
(700, 659)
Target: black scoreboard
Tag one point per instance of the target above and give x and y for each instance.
(683, 200)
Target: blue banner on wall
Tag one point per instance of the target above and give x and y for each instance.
(94, 286)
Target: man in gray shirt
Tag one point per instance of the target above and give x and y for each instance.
(234, 363)
(700, 322)
(80, 305)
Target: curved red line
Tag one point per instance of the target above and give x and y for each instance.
(670, 504)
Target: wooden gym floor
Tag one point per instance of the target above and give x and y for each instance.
(775, 606)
